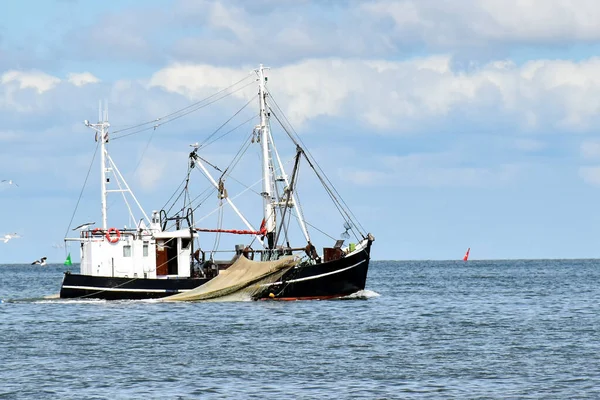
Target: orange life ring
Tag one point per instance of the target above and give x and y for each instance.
(111, 239)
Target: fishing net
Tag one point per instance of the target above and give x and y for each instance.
(239, 282)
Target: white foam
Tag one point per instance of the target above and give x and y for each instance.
(362, 294)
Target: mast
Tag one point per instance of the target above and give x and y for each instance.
(101, 129)
(107, 165)
(294, 200)
(268, 207)
(103, 140)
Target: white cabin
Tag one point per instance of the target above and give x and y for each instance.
(136, 253)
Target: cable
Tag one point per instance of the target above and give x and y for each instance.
(226, 122)
(81, 192)
(330, 188)
(183, 109)
(178, 116)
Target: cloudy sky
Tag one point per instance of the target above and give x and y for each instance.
(445, 125)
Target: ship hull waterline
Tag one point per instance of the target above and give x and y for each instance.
(328, 280)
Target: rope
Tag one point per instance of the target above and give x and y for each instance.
(339, 203)
(143, 153)
(185, 108)
(219, 225)
(178, 116)
(229, 131)
(346, 210)
(81, 192)
(226, 122)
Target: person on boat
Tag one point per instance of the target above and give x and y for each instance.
(311, 251)
(248, 252)
(198, 264)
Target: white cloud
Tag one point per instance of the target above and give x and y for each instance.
(529, 145)
(37, 80)
(421, 94)
(590, 149)
(431, 170)
(541, 19)
(480, 22)
(196, 81)
(590, 175)
(8, 136)
(81, 79)
(154, 164)
(233, 19)
(399, 95)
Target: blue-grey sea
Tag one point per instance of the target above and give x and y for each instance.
(423, 329)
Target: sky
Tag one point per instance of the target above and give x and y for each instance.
(444, 125)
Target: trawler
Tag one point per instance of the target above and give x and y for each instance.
(169, 254)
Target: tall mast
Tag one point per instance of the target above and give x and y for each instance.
(269, 209)
(103, 139)
(101, 129)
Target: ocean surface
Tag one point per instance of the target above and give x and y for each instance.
(423, 329)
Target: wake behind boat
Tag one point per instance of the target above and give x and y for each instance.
(182, 252)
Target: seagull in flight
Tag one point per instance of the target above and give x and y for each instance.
(10, 182)
(41, 261)
(9, 236)
(83, 227)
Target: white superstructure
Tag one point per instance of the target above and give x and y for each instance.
(143, 252)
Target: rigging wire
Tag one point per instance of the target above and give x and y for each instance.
(226, 122)
(185, 108)
(236, 159)
(231, 166)
(327, 189)
(174, 193)
(143, 153)
(205, 143)
(82, 189)
(166, 121)
(219, 226)
(231, 130)
(209, 190)
(343, 207)
(235, 197)
(313, 226)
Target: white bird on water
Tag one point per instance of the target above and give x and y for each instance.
(10, 236)
(10, 182)
(41, 261)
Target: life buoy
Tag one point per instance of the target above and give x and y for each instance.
(111, 239)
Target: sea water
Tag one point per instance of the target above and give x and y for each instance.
(423, 329)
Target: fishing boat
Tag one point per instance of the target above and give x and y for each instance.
(186, 249)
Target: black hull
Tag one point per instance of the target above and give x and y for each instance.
(108, 288)
(327, 280)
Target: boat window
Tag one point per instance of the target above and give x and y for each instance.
(126, 251)
(145, 249)
(185, 243)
